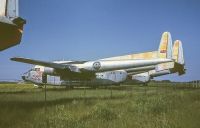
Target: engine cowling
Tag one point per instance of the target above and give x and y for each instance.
(115, 76)
(49, 71)
(142, 78)
(45, 70)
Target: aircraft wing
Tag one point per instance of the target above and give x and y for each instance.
(93, 66)
(44, 63)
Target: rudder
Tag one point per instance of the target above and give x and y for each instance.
(178, 58)
(178, 52)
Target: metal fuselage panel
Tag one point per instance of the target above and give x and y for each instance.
(108, 65)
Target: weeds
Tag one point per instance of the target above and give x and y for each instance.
(154, 108)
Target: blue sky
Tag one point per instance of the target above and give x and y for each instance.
(93, 29)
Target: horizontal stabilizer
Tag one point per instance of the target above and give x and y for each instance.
(164, 66)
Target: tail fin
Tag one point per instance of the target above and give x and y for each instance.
(165, 48)
(165, 51)
(9, 8)
(3, 4)
(178, 52)
(179, 58)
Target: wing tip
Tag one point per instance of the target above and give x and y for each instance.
(16, 58)
(13, 58)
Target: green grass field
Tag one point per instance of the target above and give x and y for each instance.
(23, 106)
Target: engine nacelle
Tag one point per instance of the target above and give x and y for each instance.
(49, 71)
(114, 76)
(45, 70)
(141, 78)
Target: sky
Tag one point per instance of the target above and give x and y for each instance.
(94, 29)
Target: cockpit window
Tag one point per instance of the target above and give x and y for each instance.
(36, 69)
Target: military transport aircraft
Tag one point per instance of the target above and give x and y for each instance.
(178, 66)
(11, 25)
(107, 71)
(144, 74)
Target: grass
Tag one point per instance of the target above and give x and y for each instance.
(23, 106)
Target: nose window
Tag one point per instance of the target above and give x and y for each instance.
(36, 69)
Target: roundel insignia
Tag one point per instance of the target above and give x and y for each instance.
(96, 65)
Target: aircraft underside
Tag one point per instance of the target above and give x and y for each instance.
(9, 34)
(11, 24)
(57, 81)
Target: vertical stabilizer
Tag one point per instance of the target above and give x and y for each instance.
(3, 4)
(12, 10)
(9, 8)
(11, 25)
(178, 58)
(178, 52)
(165, 48)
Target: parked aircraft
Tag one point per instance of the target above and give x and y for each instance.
(178, 66)
(143, 75)
(11, 25)
(114, 70)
